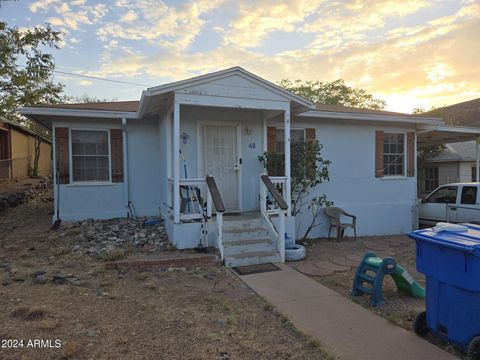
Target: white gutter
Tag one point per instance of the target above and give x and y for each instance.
(126, 195)
(453, 129)
(77, 112)
(371, 117)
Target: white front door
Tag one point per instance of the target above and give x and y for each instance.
(221, 159)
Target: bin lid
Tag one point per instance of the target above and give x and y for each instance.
(468, 241)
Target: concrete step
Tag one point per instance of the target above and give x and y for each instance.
(244, 233)
(252, 258)
(244, 223)
(245, 246)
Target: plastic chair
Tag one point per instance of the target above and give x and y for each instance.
(335, 214)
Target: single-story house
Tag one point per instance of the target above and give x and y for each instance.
(147, 157)
(456, 163)
(17, 152)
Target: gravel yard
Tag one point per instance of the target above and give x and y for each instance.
(50, 290)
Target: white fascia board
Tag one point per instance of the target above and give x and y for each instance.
(178, 85)
(77, 113)
(452, 129)
(144, 101)
(372, 117)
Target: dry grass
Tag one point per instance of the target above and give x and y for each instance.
(26, 313)
(198, 314)
(61, 251)
(70, 350)
(114, 254)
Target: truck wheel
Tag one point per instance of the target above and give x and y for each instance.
(420, 324)
(473, 351)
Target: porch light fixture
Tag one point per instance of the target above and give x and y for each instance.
(184, 137)
(248, 130)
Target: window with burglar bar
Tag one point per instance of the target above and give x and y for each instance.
(394, 154)
(90, 156)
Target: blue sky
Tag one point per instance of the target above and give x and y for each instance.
(410, 53)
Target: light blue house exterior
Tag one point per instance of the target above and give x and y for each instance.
(161, 148)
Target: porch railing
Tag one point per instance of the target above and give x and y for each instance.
(273, 203)
(192, 202)
(214, 194)
(191, 194)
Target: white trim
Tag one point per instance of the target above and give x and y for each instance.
(178, 85)
(55, 185)
(405, 155)
(231, 102)
(452, 129)
(265, 136)
(77, 112)
(70, 160)
(176, 162)
(372, 117)
(92, 183)
(288, 185)
(126, 179)
(200, 170)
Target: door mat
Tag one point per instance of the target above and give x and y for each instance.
(255, 269)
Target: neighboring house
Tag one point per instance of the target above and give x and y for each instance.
(457, 162)
(152, 154)
(17, 152)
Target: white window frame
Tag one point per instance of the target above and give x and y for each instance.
(405, 155)
(89, 183)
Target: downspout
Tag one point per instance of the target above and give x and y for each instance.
(477, 158)
(126, 196)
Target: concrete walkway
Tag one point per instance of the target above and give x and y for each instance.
(345, 328)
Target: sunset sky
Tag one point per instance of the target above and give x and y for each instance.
(411, 53)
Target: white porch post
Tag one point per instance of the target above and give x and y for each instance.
(288, 195)
(176, 162)
(477, 165)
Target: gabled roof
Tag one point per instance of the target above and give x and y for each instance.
(351, 109)
(21, 129)
(466, 113)
(462, 151)
(236, 70)
(129, 106)
(326, 111)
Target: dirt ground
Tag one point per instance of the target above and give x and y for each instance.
(399, 307)
(106, 314)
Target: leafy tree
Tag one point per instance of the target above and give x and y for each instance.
(333, 93)
(308, 169)
(26, 75)
(26, 68)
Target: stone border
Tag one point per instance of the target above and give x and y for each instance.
(16, 198)
(165, 264)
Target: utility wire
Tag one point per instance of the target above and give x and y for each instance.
(99, 78)
(95, 77)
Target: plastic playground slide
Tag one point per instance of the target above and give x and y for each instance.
(404, 281)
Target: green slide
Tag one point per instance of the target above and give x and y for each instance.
(404, 281)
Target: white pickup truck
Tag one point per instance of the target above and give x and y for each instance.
(456, 203)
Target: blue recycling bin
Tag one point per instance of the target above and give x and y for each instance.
(450, 262)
